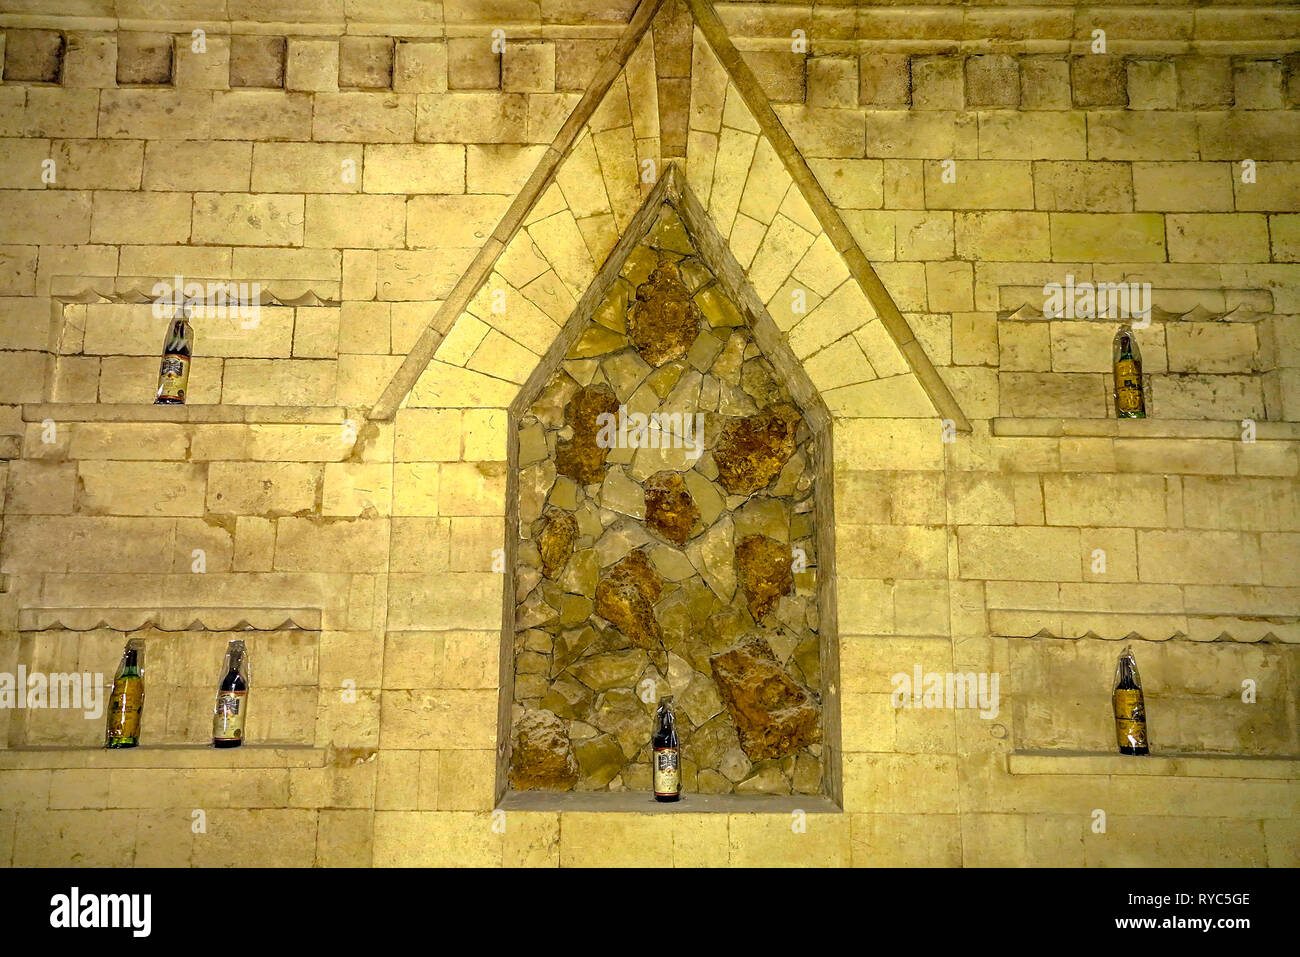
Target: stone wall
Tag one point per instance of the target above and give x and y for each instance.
(356, 163)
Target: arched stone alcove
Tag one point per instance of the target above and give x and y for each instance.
(669, 533)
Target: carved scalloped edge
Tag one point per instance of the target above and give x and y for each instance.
(1198, 313)
(138, 295)
(168, 620)
(1061, 634)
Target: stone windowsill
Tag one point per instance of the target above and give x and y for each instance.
(164, 756)
(148, 412)
(641, 802)
(1141, 428)
(1160, 765)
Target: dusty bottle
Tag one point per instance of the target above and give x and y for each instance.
(1129, 401)
(1130, 711)
(666, 767)
(126, 703)
(174, 372)
(232, 698)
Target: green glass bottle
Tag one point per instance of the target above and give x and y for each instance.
(126, 703)
(1129, 401)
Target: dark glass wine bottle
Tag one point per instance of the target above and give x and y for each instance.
(1130, 710)
(126, 703)
(232, 698)
(1129, 401)
(174, 372)
(666, 768)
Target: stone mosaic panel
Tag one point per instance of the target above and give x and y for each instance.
(667, 547)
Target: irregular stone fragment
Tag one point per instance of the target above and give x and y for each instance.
(618, 540)
(581, 456)
(625, 372)
(807, 774)
(565, 493)
(570, 645)
(621, 494)
(717, 307)
(600, 759)
(613, 669)
(596, 341)
(773, 714)
(700, 701)
(751, 452)
(669, 508)
(542, 757)
(621, 713)
(757, 379)
(713, 556)
(626, 596)
(705, 495)
(671, 563)
(665, 321)
(581, 574)
(727, 366)
(535, 484)
(763, 566)
(550, 405)
(762, 515)
(583, 370)
(532, 444)
(574, 609)
(612, 311)
(555, 542)
(764, 779)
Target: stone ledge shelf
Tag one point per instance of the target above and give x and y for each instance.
(164, 756)
(642, 802)
(1158, 765)
(1142, 429)
(141, 412)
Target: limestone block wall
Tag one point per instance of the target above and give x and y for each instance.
(355, 162)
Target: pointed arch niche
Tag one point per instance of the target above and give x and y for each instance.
(717, 585)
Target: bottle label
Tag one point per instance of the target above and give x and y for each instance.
(667, 773)
(1130, 718)
(1128, 387)
(124, 707)
(173, 377)
(228, 719)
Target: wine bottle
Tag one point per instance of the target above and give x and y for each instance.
(1130, 711)
(126, 703)
(1129, 401)
(174, 372)
(232, 698)
(667, 762)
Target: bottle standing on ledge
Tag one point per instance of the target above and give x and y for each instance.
(666, 768)
(126, 703)
(1130, 711)
(232, 698)
(1129, 402)
(174, 373)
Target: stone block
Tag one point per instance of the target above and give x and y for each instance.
(144, 59)
(312, 65)
(33, 56)
(473, 64)
(257, 61)
(365, 63)
(1098, 79)
(992, 79)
